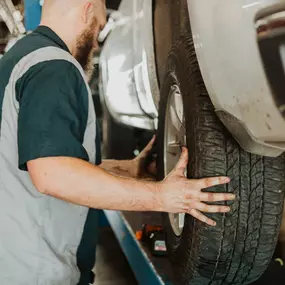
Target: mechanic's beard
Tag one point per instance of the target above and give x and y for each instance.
(85, 49)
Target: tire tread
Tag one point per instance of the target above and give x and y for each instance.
(236, 251)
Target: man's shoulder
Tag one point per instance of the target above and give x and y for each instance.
(54, 68)
(59, 74)
(21, 50)
(25, 46)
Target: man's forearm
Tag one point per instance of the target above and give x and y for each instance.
(82, 183)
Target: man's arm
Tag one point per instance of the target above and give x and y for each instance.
(134, 168)
(79, 182)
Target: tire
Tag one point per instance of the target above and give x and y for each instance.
(239, 249)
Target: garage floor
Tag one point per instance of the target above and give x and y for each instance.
(112, 267)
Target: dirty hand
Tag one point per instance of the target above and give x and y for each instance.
(138, 165)
(181, 195)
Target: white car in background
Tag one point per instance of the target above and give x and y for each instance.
(208, 75)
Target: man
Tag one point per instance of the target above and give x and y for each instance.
(49, 185)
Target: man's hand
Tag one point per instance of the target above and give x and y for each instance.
(135, 168)
(181, 195)
(138, 165)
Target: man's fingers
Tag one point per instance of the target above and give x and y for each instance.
(216, 197)
(212, 208)
(213, 181)
(196, 214)
(183, 161)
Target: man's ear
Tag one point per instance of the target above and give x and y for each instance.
(88, 12)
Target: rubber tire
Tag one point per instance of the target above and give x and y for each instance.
(239, 249)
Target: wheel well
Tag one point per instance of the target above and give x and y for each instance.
(170, 21)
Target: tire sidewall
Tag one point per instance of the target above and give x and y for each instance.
(174, 72)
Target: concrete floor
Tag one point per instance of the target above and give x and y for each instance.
(112, 268)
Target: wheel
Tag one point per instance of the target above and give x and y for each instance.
(240, 247)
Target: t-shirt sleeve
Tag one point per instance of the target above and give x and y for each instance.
(52, 113)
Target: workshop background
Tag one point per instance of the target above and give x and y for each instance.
(121, 258)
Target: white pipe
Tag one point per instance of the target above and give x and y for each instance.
(12, 17)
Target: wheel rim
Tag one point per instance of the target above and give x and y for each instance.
(174, 139)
